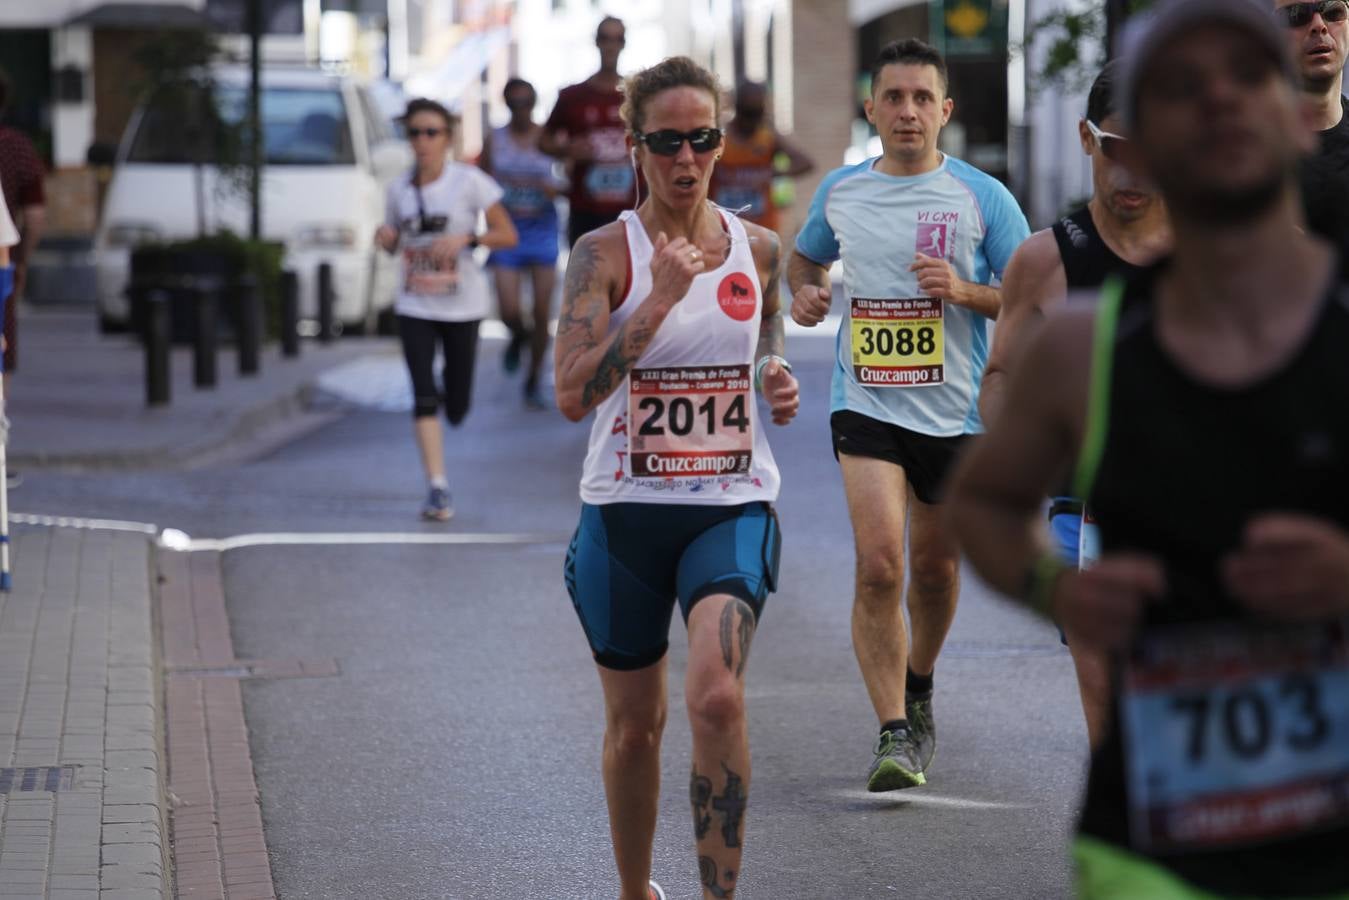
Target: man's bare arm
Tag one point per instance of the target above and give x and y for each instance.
(802, 271)
(798, 161)
(996, 493)
(1033, 283)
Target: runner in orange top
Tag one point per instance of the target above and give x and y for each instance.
(744, 177)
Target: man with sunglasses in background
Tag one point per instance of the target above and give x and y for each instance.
(1318, 35)
(586, 130)
(1121, 229)
(920, 236)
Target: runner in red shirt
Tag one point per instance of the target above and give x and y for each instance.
(21, 173)
(586, 130)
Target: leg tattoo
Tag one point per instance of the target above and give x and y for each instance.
(700, 795)
(707, 870)
(731, 633)
(731, 805)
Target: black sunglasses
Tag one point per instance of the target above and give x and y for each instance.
(667, 141)
(428, 132)
(1298, 15)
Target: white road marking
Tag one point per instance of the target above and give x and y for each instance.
(320, 539)
(920, 797)
(174, 539)
(77, 522)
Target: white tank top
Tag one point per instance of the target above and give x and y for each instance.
(684, 426)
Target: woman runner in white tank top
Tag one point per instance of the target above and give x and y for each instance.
(670, 321)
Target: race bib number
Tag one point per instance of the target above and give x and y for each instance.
(898, 343)
(690, 421)
(610, 182)
(751, 200)
(525, 201)
(424, 275)
(1237, 734)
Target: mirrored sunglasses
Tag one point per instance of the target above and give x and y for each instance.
(667, 141)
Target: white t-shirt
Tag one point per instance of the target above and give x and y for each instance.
(9, 235)
(452, 204)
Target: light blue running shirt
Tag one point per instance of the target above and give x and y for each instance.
(906, 359)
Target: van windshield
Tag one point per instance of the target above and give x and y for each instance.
(301, 126)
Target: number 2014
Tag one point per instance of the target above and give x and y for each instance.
(679, 415)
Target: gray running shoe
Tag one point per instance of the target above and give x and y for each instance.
(438, 507)
(896, 765)
(918, 710)
(657, 893)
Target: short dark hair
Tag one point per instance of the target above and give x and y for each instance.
(608, 19)
(674, 72)
(513, 83)
(912, 52)
(1101, 100)
(424, 104)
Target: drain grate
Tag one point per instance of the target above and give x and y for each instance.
(38, 778)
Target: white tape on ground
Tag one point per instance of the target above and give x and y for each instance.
(77, 522)
(174, 539)
(318, 539)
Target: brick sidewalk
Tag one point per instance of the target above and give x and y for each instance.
(80, 760)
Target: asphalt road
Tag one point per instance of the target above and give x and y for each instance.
(456, 756)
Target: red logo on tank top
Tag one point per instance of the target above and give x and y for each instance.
(736, 296)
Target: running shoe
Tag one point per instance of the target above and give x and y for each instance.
(510, 361)
(918, 710)
(438, 507)
(896, 764)
(657, 892)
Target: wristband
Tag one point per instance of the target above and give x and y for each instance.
(762, 364)
(1041, 578)
(473, 242)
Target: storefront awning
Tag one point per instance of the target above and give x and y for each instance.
(463, 66)
(861, 12)
(141, 15)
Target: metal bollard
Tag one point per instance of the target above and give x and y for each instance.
(157, 346)
(326, 298)
(204, 298)
(290, 313)
(250, 324)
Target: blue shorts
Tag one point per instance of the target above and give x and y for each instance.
(1065, 526)
(537, 247)
(630, 562)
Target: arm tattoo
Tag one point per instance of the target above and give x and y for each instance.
(628, 343)
(700, 795)
(580, 281)
(772, 337)
(744, 630)
(731, 806)
(707, 871)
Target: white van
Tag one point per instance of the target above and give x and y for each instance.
(329, 153)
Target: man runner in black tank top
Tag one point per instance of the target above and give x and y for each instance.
(1205, 403)
(1122, 227)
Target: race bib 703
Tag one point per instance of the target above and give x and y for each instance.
(1237, 734)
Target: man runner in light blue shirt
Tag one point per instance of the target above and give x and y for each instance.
(920, 235)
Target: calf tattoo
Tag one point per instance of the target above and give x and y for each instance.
(733, 632)
(700, 795)
(731, 805)
(707, 870)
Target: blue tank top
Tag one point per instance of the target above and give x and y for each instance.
(523, 171)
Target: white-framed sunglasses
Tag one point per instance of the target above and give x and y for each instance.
(1112, 145)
